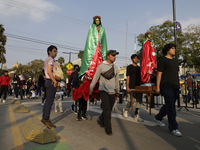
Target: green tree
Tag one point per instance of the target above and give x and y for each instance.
(61, 60)
(2, 61)
(191, 49)
(80, 54)
(161, 35)
(2, 44)
(33, 69)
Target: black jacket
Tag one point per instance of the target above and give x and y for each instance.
(16, 80)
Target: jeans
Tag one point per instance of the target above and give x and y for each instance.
(170, 96)
(190, 95)
(50, 95)
(74, 106)
(107, 105)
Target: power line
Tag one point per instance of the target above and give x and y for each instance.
(55, 15)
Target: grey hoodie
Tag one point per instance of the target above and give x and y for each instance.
(108, 86)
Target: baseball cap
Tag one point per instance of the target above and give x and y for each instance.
(112, 52)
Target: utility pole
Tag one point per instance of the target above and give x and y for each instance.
(126, 42)
(175, 39)
(135, 45)
(70, 53)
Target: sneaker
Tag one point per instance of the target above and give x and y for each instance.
(100, 123)
(4, 101)
(48, 123)
(84, 118)
(176, 132)
(25, 96)
(159, 122)
(42, 104)
(125, 113)
(76, 112)
(56, 110)
(108, 132)
(138, 119)
(78, 118)
(61, 111)
(72, 109)
(15, 98)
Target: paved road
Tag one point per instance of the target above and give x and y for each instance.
(87, 135)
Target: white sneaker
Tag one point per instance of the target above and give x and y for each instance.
(4, 101)
(61, 111)
(138, 119)
(42, 104)
(176, 132)
(15, 98)
(125, 113)
(25, 96)
(56, 110)
(160, 123)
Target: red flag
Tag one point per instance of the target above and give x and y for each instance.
(148, 62)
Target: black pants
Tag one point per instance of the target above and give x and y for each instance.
(4, 88)
(107, 104)
(50, 95)
(16, 91)
(82, 107)
(170, 96)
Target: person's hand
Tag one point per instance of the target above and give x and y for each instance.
(90, 92)
(67, 91)
(118, 94)
(128, 89)
(157, 90)
(41, 88)
(152, 42)
(17, 85)
(55, 84)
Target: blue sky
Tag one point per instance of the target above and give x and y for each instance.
(66, 22)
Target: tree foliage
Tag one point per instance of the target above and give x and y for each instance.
(2, 44)
(33, 69)
(80, 54)
(191, 49)
(161, 35)
(61, 60)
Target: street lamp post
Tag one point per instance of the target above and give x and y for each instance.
(175, 39)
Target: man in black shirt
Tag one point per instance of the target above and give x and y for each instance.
(168, 86)
(133, 79)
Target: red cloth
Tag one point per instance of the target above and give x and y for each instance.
(97, 59)
(83, 90)
(148, 62)
(3, 80)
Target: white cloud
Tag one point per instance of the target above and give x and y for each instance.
(186, 23)
(157, 21)
(26, 9)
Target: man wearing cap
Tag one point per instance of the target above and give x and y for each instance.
(4, 83)
(108, 76)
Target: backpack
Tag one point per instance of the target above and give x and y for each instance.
(59, 73)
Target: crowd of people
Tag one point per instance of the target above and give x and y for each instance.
(98, 77)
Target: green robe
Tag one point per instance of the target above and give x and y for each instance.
(91, 45)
